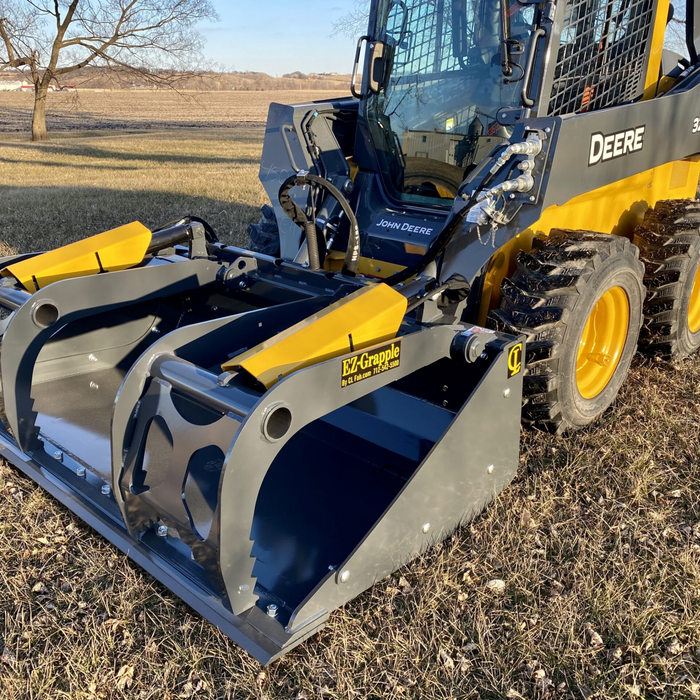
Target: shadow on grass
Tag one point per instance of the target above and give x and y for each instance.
(43, 218)
(105, 154)
(59, 164)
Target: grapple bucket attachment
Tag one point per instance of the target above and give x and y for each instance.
(265, 440)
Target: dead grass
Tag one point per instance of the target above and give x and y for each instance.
(597, 541)
(145, 109)
(72, 187)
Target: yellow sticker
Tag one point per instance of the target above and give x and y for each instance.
(515, 361)
(370, 363)
(450, 125)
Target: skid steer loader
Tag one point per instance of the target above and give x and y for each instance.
(484, 231)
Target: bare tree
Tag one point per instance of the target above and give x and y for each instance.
(675, 30)
(49, 39)
(354, 23)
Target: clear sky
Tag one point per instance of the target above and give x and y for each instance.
(279, 36)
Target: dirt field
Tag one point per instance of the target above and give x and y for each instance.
(144, 109)
(597, 542)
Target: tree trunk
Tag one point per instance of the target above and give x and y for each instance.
(39, 132)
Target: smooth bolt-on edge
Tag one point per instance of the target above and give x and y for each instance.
(106, 490)
(163, 531)
(81, 472)
(345, 576)
(272, 610)
(506, 393)
(426, 528)
(490, 469)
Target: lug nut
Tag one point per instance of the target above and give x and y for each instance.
(163, 531)
(58, 455)
(272, 610)
(80, 472)
(106, 490)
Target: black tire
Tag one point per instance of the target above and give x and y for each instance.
(420, 171)
(669, 244)
(264, 236)
(550, 298)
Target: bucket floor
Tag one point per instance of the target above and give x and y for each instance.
(75, 414)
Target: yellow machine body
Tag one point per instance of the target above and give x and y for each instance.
(614, 209)
(367, 317)
(118, 249)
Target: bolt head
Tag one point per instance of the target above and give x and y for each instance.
(426, 528)
(511, 196)
(163, 531)
(94, 385)
(242, 284)
(547, 130)
(506, 393)
(106, 490)
(491, 468)
(81, 472)
(92, 358)
(272, 610)
(58, 455)
(484, 356)
(345, 576)
(243, 588)
(532, 198)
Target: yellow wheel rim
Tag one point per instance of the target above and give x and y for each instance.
(694, 307)
(602, 342)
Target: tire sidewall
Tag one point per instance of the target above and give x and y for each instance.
(618, 271)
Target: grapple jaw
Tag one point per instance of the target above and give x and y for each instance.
(155, 403)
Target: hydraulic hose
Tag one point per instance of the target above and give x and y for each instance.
(435, 250)
(299, 217)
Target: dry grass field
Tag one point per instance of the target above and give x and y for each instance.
(597, 542)
(145, 109)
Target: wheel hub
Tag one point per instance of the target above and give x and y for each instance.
(602, 342)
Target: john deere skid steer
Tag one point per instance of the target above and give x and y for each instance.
(487, 230)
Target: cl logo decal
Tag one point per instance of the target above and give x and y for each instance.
(515, 360)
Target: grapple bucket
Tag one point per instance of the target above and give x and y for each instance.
(265, 440)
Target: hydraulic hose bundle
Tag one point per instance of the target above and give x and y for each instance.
(300, 218)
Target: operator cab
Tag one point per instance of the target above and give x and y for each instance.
(436, 76)
(443, 73)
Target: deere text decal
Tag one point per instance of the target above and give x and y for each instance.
(370, 363)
